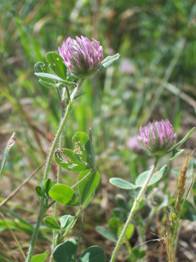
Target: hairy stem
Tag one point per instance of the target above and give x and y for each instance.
(132, 212)
(46, 170)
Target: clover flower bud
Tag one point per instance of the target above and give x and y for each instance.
(81, 55)
(157, 137)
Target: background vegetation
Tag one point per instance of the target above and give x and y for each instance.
(153, 79)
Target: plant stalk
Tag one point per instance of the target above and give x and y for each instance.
(132, 212)
(59, 131)
(60, 144)
(46, 170)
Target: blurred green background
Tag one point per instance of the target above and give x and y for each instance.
(153, 79)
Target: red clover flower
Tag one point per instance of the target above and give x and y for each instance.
(157, 137)
(81, 55)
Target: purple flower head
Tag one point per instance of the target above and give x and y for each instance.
(134, 145)
(81, 55)
(158, 136)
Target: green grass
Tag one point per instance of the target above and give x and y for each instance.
(158, 38)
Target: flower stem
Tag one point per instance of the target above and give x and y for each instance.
(46, 170)
(132, 212)
(59, 131)
(60, 144)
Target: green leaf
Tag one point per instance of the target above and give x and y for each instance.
(46, 83)
(40, 67)
(188, 211)
(81, 138)
(114, 222)
(93, 254)
(129, 231)
(59, 158)
(39, 191)
(141, 179)
(184, 139)
(72, 156)
(49, 76)
(65, 252)
(40, 257)
(121, 183)
(176, 154)
(52, 222)
(106, 233)
(50, 79)
(47, 185)
(61, 193)
(56, 64)
(109, 60)
(44, 189)
(72, 162)
(87, 186)
(66, 221)
(84, 142)
(136, 254)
